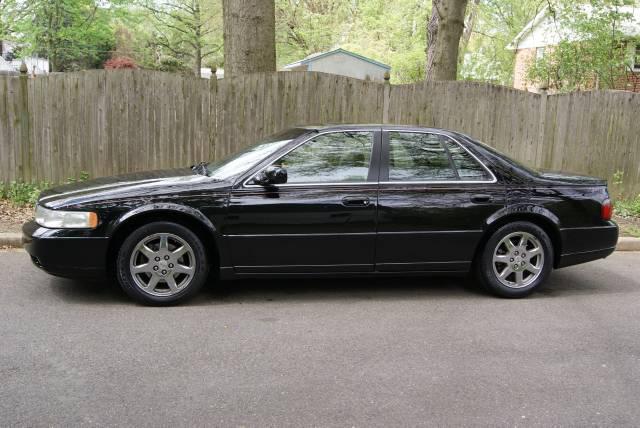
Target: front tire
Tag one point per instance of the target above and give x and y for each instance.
(162, 263)
(516, 260)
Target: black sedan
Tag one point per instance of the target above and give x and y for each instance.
(326, 201)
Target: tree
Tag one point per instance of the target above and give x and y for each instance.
(72, 34)
(444, 30)
(593, 51)
(249, 36)
(486, 56)
(185, 30)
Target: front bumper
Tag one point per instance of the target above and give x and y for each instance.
(66, 252)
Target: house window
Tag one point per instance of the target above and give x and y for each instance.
(636, 58)
(539, 53)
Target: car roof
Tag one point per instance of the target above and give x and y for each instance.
(367, 126)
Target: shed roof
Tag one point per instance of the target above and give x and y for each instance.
(317, 56)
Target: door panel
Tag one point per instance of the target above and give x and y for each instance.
(302, 229)
(323, 219)
(432, 227)
(433, 201)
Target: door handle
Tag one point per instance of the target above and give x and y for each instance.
(480, 198)
(355, 201)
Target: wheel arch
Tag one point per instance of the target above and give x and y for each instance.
(537, 215)
(188, 217)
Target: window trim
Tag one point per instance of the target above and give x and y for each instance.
(374, 163)
(385, 160)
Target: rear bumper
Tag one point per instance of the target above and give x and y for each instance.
(585, 244)
(65, 252)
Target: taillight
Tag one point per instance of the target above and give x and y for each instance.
(606, 210)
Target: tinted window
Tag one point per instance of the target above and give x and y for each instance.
(418, 157)
(330, 158)
(468, 168)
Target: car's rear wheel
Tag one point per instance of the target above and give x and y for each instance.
(162, 263)
(516, 260)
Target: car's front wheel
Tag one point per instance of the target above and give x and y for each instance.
(162, 263)
(516, 260)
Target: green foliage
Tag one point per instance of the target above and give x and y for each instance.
(628, 207)
(618, 177)
(498, 22)
(174, 35)
(394, 34)
(593, 52)
(84, 176)
(23, 194)
(73, 34)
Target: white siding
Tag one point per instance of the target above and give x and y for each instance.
(347, 65)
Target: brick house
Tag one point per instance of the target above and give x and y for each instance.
(541, 34)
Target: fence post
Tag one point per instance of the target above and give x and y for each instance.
(542, 121)
(385, 98)
(26, 151)
(213, 116)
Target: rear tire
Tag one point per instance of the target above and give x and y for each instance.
(516, 260)
(162, 263)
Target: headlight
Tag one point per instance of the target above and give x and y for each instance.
(65, 219)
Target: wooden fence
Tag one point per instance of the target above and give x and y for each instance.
(109, 122)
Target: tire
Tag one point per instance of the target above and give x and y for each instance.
(162, 263)
(515, 270)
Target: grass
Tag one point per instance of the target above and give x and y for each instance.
(22, 194)
(627, 215)
(628, 207)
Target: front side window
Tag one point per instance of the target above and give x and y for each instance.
(431, 157)
(418, 157)
(339, 157)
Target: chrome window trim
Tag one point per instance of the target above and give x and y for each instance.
(363, 183)
(344, 183)
(455, 141)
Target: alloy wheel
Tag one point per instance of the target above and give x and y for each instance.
(162, 264)
(518, 259)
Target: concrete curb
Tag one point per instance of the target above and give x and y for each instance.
(14, 240)
(628, 244)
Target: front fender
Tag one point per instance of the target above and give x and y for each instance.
(162, 206)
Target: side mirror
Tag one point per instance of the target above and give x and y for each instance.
(271, 175)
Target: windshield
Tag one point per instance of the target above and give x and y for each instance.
(240, 162)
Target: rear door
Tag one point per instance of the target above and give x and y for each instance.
(322, 220)
(434, 199)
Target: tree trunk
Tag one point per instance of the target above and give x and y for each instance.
(468, 29)
(197, 51)
(249, 36)
(444, 30)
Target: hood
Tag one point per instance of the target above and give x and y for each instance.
(571, 179)
(148, 183)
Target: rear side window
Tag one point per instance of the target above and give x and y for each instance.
(419, 157)
(431, 157)
(468, 168)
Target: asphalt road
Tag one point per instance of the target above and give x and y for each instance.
(391, 352)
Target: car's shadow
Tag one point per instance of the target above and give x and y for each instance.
(566, 282)
(265, 290)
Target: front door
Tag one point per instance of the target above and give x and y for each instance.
(434, 199)
(322, 220)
